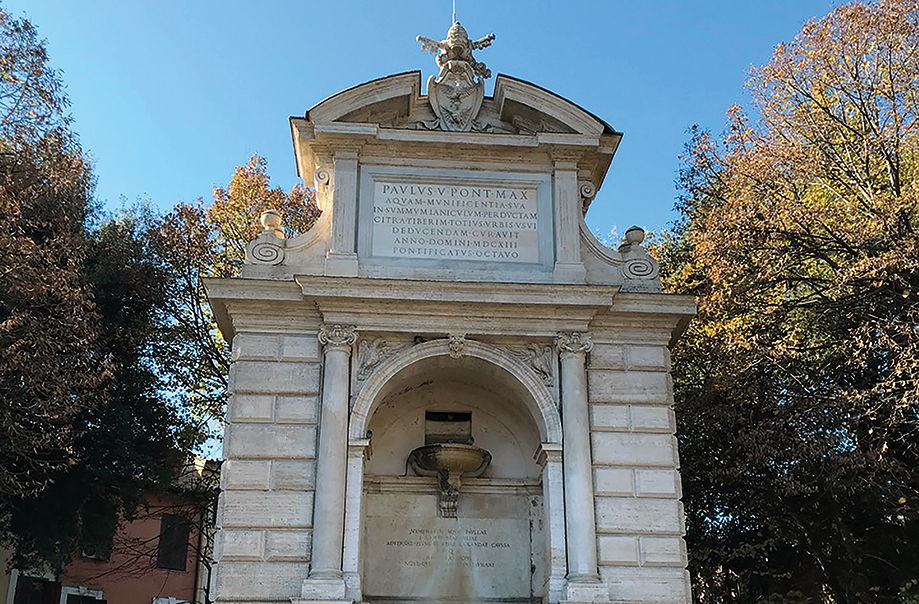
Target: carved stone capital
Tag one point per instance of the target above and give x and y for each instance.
(548, 453)
(337, 337)
(573, 342)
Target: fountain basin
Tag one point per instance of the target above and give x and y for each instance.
(453, 458)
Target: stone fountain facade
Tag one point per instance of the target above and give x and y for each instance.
(450, 298)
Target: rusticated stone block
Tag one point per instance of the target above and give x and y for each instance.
(607, 356)
(278, 581)
(297, 475)
(630, 515)
(609, 417)
(657, 483)
(630, 449)
(652, 418)
(300, 348)
(239, 545)
(629, 387)
(260, 509)
(271, 441)
(276, 378)
(662, 551)
(613, 481)
(297, 409)
(251, 408)
(617, 550)
(288, 546)
(251, 475)
(647, 585)
(648, 358)
(255, 347)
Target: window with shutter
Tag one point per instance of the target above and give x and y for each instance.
(172, 552)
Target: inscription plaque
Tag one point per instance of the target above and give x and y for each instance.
(440, 221)
(458, 558)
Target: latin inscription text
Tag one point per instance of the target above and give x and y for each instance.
(455, 222)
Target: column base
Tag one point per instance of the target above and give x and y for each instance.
(553, 590)
(340, 264)
(353, 586)
(570, 272)
(321, 588)
(586, 589)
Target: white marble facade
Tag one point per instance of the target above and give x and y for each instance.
(450, 276)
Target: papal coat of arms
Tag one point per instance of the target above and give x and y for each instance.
(456, 93)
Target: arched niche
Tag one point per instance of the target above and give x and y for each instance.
(499, 546)
(492, 365)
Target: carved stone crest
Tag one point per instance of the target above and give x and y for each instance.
(371, 353)
(538, 357)
(457, 92)
(457, 345)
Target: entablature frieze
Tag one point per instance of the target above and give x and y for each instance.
(483, 309)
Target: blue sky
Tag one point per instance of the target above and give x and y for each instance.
(169, 96)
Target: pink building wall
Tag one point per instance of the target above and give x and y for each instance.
(131, 575)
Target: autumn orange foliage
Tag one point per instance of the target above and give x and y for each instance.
(798, 385)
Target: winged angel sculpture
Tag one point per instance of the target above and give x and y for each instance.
(456, 93)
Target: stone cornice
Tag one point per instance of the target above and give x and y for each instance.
(548, 294)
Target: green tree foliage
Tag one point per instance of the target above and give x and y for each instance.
(796, 387)
(197, 240)
(85, 428)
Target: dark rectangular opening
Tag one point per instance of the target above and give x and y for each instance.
(448, 416)
(30, 590)
(447, 427)
(172, 552)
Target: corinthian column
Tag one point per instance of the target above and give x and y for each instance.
(580, 523)
(325, 579)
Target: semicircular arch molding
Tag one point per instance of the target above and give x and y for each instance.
(539, 400)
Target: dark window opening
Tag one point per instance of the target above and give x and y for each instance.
(447, 427)
(78, 599)
(30, 590)
(172, 552)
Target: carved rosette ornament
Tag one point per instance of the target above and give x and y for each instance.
(573, 342)
(337, 337)
(457, 92)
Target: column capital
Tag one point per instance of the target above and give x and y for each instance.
(573, 342)
(548, 452)
(337, 337)
(359, 447)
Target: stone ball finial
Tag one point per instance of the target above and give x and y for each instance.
(271, 220)
(635, 235)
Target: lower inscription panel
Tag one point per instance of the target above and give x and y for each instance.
(447, 558)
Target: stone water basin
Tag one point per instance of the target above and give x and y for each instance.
(457, 460)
